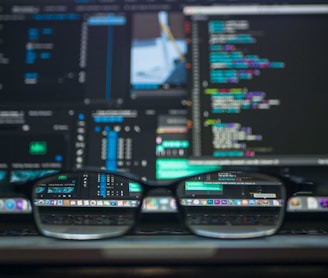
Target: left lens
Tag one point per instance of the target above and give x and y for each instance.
(86, 205)
(232, 204)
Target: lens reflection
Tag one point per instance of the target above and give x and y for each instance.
(86, 205)
(232, 204)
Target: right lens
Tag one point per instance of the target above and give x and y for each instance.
(232, 204)
(86, 205)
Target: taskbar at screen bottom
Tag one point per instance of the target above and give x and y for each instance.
(167, 204)
(153, 202)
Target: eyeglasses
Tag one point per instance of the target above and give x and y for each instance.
(85, 205)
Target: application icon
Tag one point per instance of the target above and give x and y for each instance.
(21, 204)
(173, 204)
(237, 202)
(323, 202)
(134, 203)
(295, 202)
(244, 202)
(210, 202)
(203, 202)
(276, 203)
(312, 203)
(127, 203)
(266, 202)
(196, 202)
(10, 204)
(259, 202)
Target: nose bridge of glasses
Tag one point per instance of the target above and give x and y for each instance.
(162, 190)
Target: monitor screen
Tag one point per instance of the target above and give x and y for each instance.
(257, 84)
(92, 83)
(161, 89)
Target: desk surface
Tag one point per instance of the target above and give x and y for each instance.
(164, 250)
(165, 256)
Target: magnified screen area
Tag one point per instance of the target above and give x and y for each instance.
(232, 204)
(86, 204)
